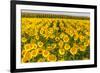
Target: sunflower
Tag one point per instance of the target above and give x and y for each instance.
(26, 57)
(40, 50)
(51, 58)
(41, 60)
(40, 44)
(60, 43)
(42, 31)
(62, 35)
(61, 51)
(28, 46)
(57, 38)
(73, 50)
(76, 36)
(82, 48)
(67, 47)
(45, 53)
(23, 52)
(81, 37)
(34, 46)
(24, 39)
(53, 45)
(49, 47)
(37, 37)
(34, 53)
(66, 38)
(87, 43)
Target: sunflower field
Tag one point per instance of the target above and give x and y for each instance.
(51, 38)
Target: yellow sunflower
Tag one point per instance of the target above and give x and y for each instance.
(53, 45)
(87, 43)
(40, 44)
(76, 36)
(73, 50)
(40, 50)
(51, 58)
(60, 43)
(62, 35)
(26, 57)
(41, 60)
(61, 51)
(28, 46)
(82, 48)
(45, 53)
(34, 53)
(24, 39)
(67, 47)
(23, 52)
(66, 38)
(57, 38)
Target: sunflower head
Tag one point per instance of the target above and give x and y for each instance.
(66, 38)
(24, 39)
(45, 53)
(51, 58)
(67, 47)
(34, 53)
(73, 50)
(40, 44)
(61, 51)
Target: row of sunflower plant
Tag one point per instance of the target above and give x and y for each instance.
(54, 39)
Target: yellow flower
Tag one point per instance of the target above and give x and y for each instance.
(50, 31)
(52, 36)
(45, 53)
(62, 35)
(66, 38)
(24, 39)
(26, 57)
(37, 37)
(61, 44)
(42, 31)
(67, 47)
(49, 47)
(41, 60)
(81, 38)
(40, 50)
(34, 53)
(54, 45)
(28, 46)
(40, 44)
(51, 58)
(87, 43)
(82, 48)
(57, 38)
(76, 36)
(73, 50)
(23, 52)
(61, 51)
